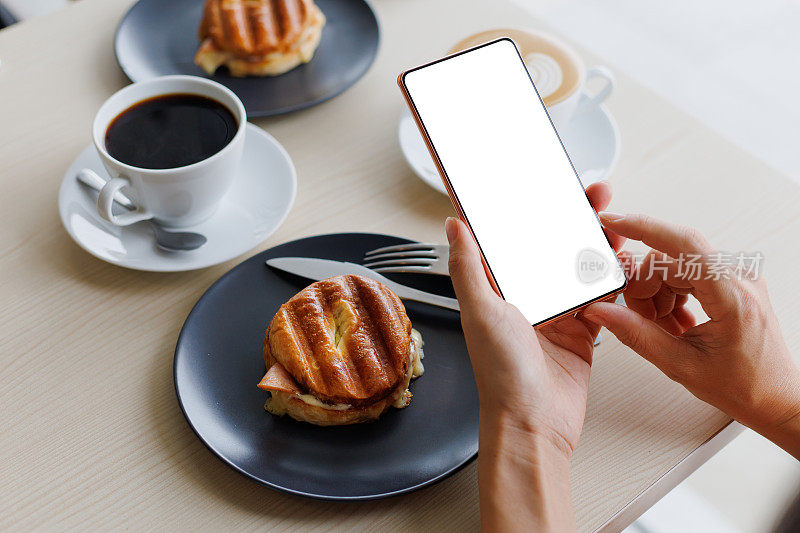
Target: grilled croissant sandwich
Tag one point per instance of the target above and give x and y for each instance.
(341, 351)
(258, 37)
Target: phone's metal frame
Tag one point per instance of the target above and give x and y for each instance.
(454, 197)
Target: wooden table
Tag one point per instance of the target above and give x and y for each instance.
(90, 433)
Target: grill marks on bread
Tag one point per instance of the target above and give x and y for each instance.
(344, 340)
(254, 27)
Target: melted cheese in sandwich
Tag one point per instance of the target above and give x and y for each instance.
(311, 400)
(416, 354)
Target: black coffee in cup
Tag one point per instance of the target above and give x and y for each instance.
(170, 131)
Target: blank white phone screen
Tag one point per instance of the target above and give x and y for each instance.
(514, 181)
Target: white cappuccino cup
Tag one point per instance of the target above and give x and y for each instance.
(558, 72)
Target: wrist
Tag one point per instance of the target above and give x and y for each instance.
(783, 427)
(776, 416)
(528, 431)
(523, 475)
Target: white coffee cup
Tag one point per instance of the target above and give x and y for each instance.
(560, 75)
(582, 100)
(174, 197)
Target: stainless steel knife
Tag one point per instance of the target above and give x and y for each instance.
(318, 269)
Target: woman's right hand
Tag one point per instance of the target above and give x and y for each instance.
(737, 360)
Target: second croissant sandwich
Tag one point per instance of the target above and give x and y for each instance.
(258, 37)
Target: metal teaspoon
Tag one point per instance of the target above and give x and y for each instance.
(169, 241)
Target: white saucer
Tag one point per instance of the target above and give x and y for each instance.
(591, 139)
(258, 202)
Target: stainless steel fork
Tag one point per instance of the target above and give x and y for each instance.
(414, 257)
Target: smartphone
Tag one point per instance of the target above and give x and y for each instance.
(511, 181)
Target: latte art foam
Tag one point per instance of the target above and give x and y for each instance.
(546, 73)
(556, 70)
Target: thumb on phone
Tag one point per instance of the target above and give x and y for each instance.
(465, 265)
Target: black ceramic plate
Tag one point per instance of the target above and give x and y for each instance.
(218, 364)
(159, 37)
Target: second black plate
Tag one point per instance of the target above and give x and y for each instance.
(157, 38)
(218, 363)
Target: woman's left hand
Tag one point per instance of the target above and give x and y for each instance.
(541, 375)
(532, 385)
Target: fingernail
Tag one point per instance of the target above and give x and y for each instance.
(590, 316)
(608, 216)
(451, 229)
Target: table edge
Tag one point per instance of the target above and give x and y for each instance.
(670, 479)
